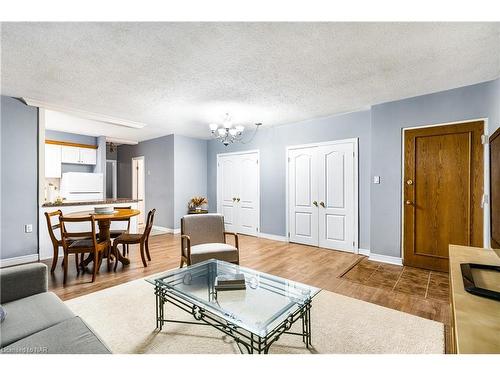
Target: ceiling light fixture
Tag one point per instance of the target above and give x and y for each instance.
(228, 133)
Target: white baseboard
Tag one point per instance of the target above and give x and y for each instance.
(166, 230)
(364, 252)
(273, 237)
(18, 260)
(386, 259)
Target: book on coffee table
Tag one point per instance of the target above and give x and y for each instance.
(230, 282)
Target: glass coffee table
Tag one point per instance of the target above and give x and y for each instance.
(254, 317)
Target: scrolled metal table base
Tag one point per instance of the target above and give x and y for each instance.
(248, 342)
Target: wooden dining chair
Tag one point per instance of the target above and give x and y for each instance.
(136, 238)
(117, 232)
(82, 243)
(55, 242)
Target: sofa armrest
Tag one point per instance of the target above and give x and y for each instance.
(22, 281)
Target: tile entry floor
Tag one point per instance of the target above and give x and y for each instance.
(409, 280)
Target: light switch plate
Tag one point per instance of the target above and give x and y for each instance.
(28, 228)
(376, 179)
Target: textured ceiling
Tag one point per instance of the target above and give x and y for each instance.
(178, 77)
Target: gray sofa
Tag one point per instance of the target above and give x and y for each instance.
(38, 321)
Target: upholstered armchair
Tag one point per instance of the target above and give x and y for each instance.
(203, 237)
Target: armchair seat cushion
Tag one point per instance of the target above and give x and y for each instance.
(219, 251)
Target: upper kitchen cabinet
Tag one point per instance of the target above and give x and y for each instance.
(88, 156)
(52, 161)
(70, 154)
(78, 155)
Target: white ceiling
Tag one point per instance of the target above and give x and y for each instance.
(178, 77)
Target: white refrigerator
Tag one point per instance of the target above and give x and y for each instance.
(77, 186)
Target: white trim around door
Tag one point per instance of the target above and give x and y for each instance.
(351, 145)
(139, 189)
(238, 191)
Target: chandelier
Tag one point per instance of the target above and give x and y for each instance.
(228, 133)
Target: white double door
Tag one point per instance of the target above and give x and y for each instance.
(238, 191)
(322, 195)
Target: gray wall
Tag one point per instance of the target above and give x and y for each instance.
(272, 143)
(190, 173)
(159, 165)
(56, 135)
(19, 178)
(388, 119)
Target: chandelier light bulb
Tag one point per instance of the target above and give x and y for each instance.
(240, 128)
(233, 131)
(221, 131)
(213, 127)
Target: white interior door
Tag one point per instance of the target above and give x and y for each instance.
(303, 195)
(248, 197)
(228, 181)
(336, 196)
(138, 186)
(238, 196)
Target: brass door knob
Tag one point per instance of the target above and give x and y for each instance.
(322, 204)
(408, 202)
(238, 199)
(315, 203)
(409, 182)
(234, 198)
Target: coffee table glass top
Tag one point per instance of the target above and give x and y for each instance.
(265, 303)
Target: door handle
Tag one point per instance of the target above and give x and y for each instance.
(322, 204)
(315, 203)
(409, 202)
(234, 199)
(238, 199)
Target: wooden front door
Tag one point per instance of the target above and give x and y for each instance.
(443, 191)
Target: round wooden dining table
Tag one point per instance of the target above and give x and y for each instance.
(104, 223)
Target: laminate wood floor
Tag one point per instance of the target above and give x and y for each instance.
(336, 271)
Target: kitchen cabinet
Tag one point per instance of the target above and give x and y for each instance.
(52, 161)
(88, 156)
(78, 155)
(70, 154)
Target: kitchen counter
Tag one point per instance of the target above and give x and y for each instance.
(86, 203)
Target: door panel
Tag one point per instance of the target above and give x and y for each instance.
(303, 192)
(336, 195)
(228, 167)
(443, 187)
(248, 197)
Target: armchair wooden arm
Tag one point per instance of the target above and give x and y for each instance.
(236, 244)
(185, 239)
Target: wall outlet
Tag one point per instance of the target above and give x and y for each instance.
(28, 228)
(376, 179)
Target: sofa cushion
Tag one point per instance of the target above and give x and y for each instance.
(72, 336)
(219, 251)
(32, 314)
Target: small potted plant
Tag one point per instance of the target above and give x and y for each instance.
(196, 203)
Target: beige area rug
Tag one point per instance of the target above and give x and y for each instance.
(124, 317)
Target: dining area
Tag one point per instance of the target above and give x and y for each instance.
(90, 237)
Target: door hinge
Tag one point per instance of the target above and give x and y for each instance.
(288, 234)
(289, 159)
(484, 139)
(484, 200)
